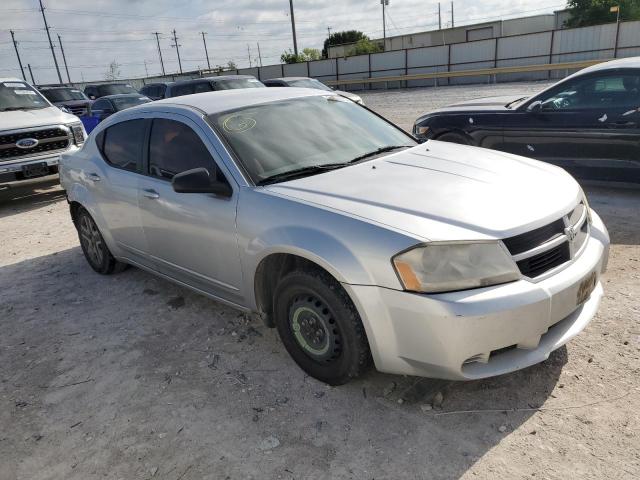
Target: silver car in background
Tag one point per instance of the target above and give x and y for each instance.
(336, 227)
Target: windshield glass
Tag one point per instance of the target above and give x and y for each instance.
(279, 137)
(63, 94)
(20, 96)
(126, 102)
(115, 89)
(309, 83)
(237, 83)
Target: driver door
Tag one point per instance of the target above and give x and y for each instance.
(582, 125)
(191, 237)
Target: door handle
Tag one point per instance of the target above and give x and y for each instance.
(150, 193)
(94, 177)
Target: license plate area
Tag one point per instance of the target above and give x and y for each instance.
(587, 285)
(35, 170)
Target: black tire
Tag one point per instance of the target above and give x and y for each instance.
(93, 245)
(320, 327)
(453, 137)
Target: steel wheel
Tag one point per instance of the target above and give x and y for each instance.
(314, 328)
(91, 240)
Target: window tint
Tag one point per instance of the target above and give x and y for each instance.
(182, 90)
(174, 147)
(202, 87)
(618, 89)
(101, 104)
(122, 146)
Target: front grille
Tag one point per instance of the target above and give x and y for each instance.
(49, 140)
(538, 264)
(78, 111)
(543, 249)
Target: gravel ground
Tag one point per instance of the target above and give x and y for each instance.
(131, 377)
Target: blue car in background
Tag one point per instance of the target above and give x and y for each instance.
(110, 104)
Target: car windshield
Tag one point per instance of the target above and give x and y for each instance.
(237, 83)
(126, 102)
(64, 94)
(291, 135)
(20, 96)
(115, 89)
(309, 83)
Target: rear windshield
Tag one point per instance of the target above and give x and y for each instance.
(115, 89)
(309, 83)
(237, 83)
(126, 102)
(20, 96)
(64, 94)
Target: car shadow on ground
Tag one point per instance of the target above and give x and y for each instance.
(618, 208)
(138, 364)
(31, 195)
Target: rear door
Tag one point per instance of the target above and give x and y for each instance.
(191, 236)
(115, 185)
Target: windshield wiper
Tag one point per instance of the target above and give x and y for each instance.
(378, 151)
(514, 101)
(301, 172)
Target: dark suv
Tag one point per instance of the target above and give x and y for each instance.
(155, 91)
(104, 89)
(209, 84)
(70, 98)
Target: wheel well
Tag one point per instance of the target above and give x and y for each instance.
(457, 133)
(271, 269)
(74, 208)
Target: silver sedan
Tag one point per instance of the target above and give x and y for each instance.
(336, 227)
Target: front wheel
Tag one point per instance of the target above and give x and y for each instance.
(320, 327)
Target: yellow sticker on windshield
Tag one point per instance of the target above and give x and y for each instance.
(238, 123)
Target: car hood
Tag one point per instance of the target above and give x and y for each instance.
(34, 118)
(349, 95)
(443, 191)
(488, 104)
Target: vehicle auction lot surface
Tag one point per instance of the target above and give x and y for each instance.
(132, 377)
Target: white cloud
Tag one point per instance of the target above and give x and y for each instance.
(121, 30)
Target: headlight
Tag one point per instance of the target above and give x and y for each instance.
(446, 267)
(418, 130)
(78, 133)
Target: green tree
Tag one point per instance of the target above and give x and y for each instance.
(307, 55)
(364, 46)
(339, 38)
(594, 12)
(311, 54)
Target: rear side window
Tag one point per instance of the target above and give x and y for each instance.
(182, 90)
(202, 87)
(174, 147)
(122, 145)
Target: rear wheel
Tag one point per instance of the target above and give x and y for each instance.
(320, 327)
(94, 247)
(453, 137)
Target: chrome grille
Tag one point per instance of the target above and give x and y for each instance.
(544, 249)
(50, 140)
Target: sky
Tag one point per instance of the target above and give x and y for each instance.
(98, 32)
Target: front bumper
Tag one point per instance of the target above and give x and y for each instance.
(11, 171)
(484, 332)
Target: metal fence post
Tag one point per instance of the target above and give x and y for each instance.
(553, 35)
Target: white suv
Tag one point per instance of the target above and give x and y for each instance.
(33, 133)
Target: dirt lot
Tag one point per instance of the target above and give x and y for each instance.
(131, 377)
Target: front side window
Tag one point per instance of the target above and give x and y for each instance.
(122, 145)
(285, 136)
(180, 90)
(620, 89)
(20, 96)
(102, 105)
(174, 148)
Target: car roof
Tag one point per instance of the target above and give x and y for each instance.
(155, 84)
(58, 87)
(123, 95)
(211, 79)
(288, 79)
(629, 62)
(107, 84)
(224, 100)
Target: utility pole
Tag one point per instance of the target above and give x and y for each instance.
(15, 45)
(616, 9)
(249, 54)
(146, 72)
(46, 27)
(177, 47)
(439, 17)
(384, 3)
(293, 29)
(157, 34)
(259, 54)
(452, 24)
(33, 82)
(205, 49)
(64, 58)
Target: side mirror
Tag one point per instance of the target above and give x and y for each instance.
(92, 97)
(534, 106)
(198, 180)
